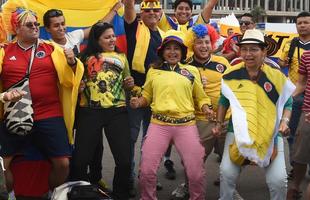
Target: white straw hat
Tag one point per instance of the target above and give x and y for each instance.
(253, 36)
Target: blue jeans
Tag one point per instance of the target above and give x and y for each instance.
(275, 173)
(296, 113)
(136, 116)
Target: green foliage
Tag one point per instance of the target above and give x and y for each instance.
(258, 12)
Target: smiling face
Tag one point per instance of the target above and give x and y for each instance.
(107, 40)
(151, 15)
(57, 28)
(28, 30)
(183, 13)
(253, 55)
(202, 48)
(172, 53)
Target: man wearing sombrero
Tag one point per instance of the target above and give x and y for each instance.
(259, 97)
(54, 80)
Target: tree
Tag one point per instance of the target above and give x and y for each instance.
(258, 12)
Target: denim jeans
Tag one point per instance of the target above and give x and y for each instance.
(276, 177)
(136, 116)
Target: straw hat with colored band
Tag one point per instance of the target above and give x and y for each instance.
(173, 36)
(255, 36)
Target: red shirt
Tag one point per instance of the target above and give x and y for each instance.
(43, 77)
(304, 69)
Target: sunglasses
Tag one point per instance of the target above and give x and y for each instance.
(155, 10)
(55, 13)
(31, 24)
(245, 23)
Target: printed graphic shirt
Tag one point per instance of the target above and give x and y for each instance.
(104, 81)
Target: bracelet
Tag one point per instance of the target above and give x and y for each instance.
(285, 119)
(2, 97)
(73, 64)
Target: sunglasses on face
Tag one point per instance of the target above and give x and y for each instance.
(245, 23)
(155, 10)
(31, 24)
(55, 13)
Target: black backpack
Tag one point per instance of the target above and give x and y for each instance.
(88, 192)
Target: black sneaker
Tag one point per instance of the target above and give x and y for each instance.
(158, 186)
(170, 174)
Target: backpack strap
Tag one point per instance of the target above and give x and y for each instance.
(294, 44)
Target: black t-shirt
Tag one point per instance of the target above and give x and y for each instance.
(151, 54)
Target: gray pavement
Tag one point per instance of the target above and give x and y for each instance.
(251, 184)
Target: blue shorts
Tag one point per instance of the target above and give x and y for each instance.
(49, 136)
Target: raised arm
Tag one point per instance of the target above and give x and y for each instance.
(130, 13)
(207, 10)
(107, 18)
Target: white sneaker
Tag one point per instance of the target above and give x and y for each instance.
(237, 196)
(180, 193)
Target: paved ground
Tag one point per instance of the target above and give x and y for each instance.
(251, 183)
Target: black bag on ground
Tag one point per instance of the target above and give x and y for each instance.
(87, 192)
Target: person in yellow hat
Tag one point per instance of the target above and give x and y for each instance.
(259, 97)
(143, 38)
(172, 89)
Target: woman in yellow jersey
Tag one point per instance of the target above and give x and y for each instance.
(172, 89)
(260, 100)
(102, 106)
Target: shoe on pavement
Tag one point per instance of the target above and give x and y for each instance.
(132, 190)
(180, 193)
(159, 186)
(170, 174)
(217, 182)
(237, 196)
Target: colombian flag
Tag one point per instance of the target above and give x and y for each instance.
(78, 14)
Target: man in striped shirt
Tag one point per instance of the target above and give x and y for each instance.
(301, 147)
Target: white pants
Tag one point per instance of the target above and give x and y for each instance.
(276, 177)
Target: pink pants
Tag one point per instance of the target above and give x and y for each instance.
(186, 141)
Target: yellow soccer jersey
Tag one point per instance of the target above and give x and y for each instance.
(174, 92)
(212, 71)
(167, 23)
(293, 68)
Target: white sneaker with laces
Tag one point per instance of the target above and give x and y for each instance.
(180, 193)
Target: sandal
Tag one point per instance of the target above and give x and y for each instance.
(293, 194)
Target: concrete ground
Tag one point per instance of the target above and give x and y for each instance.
(251, 184)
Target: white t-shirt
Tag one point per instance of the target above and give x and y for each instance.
(74, 38)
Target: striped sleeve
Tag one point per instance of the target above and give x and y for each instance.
(304, 62)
